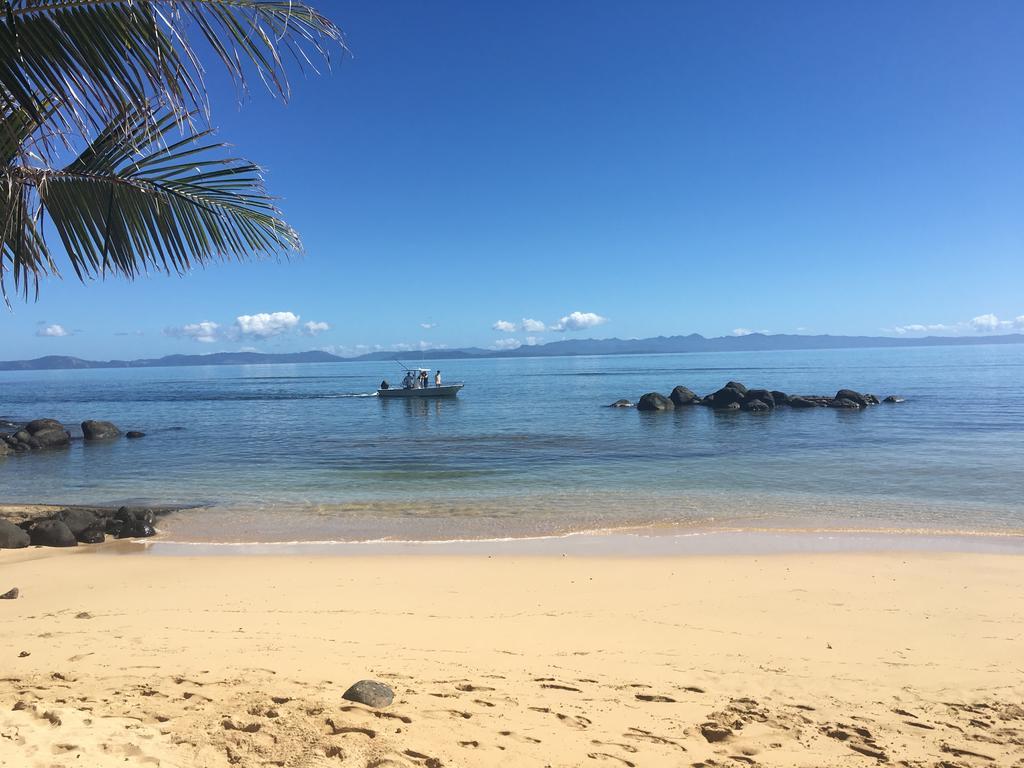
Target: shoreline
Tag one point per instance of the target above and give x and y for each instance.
(656, 539)
(622, 543)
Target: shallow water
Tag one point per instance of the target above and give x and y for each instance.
(299, 452)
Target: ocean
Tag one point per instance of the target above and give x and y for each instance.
(308, 453)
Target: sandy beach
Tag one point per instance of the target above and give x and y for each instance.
(778, 660)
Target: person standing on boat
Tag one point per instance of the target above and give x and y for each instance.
(423, 380)
(437, 379)
(407, 382)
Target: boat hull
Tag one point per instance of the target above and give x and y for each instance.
(449, 390)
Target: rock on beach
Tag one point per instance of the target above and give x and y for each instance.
(52, 533)
(13, 536)
(371, 693)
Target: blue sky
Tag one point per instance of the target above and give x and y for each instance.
(654, 168)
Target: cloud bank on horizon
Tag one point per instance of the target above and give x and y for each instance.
(257, 327)
(987, 323)
(574, 321)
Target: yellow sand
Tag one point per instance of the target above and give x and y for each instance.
(806, 660)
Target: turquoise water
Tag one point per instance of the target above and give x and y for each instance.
(300, 452)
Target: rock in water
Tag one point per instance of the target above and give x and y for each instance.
(728, 407)
(856, 397)
(726, 396)
(38, 425)
(371, 693)
(52, 533)
(5, 448)
(12, 537)
(91, 535)
(11, 594)
(781, 398)
(134, 435)
(623, 403)
(51, 438)
(737, 386)
(755, 405)
(136, 529)
(763, 395)
(894, 399)
(683, 396)
(99, 430)
(844, 402)
(654, 401)
(801, 402)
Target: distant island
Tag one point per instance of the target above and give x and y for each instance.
(566, 348)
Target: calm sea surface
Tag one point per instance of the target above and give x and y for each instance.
(300, 452)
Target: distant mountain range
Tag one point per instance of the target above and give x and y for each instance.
(567, 348)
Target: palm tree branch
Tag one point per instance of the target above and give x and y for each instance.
(90, 56)
(130, 202)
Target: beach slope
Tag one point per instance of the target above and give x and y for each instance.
(779, 660)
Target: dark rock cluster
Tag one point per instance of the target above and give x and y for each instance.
(37, 435)
(44, 434)
(735, 396)
(78, 525)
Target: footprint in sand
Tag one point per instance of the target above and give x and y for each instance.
(624, 747)
(429, 762)
(449, 713)
(607, 756)
(577, 722)
(469, 688)
(340, 730)
(384, 715)
(641, 735)
(856, 738)
(519, 737)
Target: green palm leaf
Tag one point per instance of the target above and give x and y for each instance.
(140, 197)
(90, 56)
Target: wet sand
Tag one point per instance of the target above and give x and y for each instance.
(826, 659)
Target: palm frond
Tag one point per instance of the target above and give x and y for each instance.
(137, 199)
(90, 56)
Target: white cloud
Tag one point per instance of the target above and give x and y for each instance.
(991, 323)
(312, 328)
(987, 323)
(420, 346)
(532, 341)
(533, 326)
(266, 324)
(54, 330)
(505, 326)
(507, 344)
(578, 321)
(248, 349)
(741, 331)
(925, 328)
(428, 326)
(206, 331)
